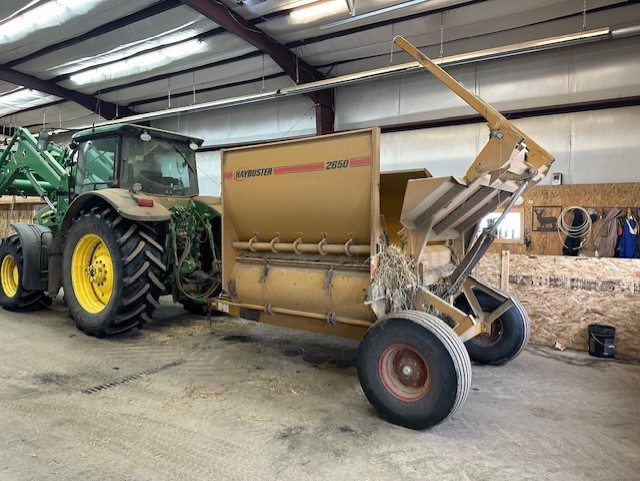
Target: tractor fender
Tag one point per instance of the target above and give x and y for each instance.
(212, 202)
(123, 201)
(35, 241)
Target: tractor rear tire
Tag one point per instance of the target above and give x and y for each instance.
(13, 296)
(414, 369)
(509, 333)
(112, 272)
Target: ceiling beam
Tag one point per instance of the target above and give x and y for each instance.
(107, 110)
(296, 68)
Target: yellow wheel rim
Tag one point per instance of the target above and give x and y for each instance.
(92, 273)
(9, 276)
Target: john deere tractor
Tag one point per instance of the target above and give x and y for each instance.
(123, 224)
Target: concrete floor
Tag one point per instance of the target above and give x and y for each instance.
(187, 400)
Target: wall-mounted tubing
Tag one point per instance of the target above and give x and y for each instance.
(302, 247)
(313, 315)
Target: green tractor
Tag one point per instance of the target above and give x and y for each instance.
(123, 225)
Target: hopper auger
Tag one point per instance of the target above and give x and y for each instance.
(316, 238)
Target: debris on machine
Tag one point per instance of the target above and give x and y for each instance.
(395, 279)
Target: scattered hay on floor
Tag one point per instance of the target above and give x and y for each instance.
(194, 392)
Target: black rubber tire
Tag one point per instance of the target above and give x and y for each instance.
(446, 385)
(138, 272)
(509, 336)
(23, 300)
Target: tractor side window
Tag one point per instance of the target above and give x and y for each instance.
(96, 164)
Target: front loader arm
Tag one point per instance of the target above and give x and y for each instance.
(25, 168)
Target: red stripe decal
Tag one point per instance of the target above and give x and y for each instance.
(360, 162)
(294, 169)
(228, 175)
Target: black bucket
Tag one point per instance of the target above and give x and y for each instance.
(602, 340)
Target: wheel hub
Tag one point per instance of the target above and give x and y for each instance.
(491, 334)
(97, 272)
(404, 372)
(410, 368)
(92, 273)
(407, 370)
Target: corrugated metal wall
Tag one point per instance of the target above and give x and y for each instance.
(590, 147)
(596, 71)
(270, 120)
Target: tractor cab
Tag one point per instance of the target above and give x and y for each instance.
(153, 161)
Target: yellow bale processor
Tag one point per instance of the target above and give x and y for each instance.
(315, 237)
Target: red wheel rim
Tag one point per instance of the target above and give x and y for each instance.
(404, 372)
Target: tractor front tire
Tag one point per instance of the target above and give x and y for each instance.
(414, 369)
(13, 296)
(111, 272)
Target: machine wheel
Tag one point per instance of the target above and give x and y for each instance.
(414, 369)
(509, 333)
(111, 272)
(13, 296)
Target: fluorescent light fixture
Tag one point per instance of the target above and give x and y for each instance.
(316, 11)
(49, 14)
(380, 11)
(139, 63)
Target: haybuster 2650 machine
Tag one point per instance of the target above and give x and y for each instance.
(123, 224)
(316, 238)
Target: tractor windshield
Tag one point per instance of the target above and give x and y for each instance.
(161, 166)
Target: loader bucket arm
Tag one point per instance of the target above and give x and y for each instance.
(26, 168)
(444, 208)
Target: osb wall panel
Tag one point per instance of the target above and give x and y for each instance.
(601, 197)
(563, 295)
